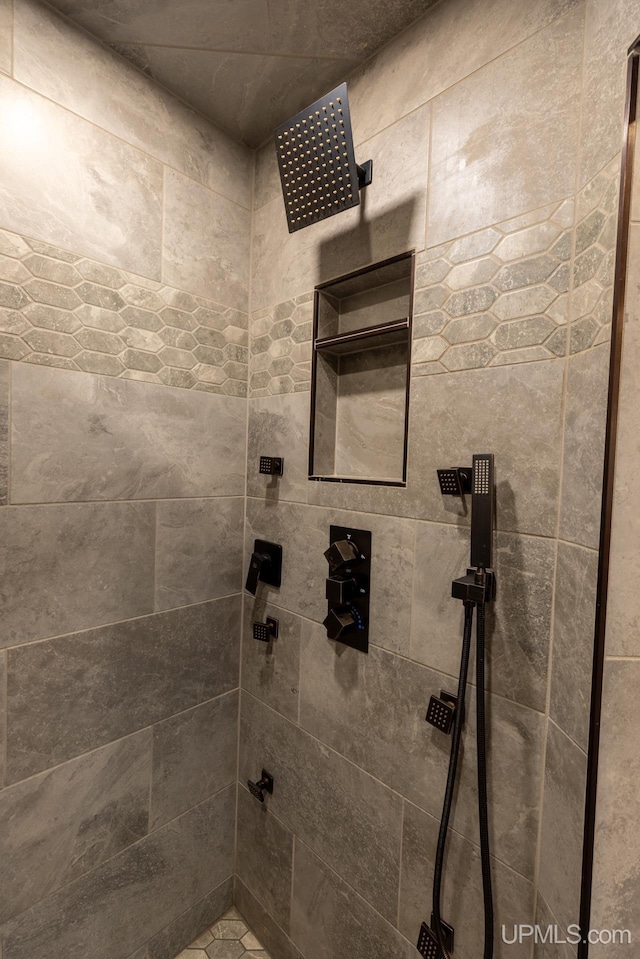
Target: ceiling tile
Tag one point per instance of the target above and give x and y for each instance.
(246, 64)
(247, 95)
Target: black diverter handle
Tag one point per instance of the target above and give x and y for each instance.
(259, 561)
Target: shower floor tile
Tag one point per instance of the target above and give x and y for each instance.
(229, 938)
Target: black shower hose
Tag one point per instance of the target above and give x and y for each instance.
(482, 782)
(483, 804)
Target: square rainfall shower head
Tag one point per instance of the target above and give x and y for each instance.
(318, 170)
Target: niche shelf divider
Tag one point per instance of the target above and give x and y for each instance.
(361, 375)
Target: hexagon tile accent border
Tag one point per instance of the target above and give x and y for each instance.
(59, 309)
(497, 296)
(535, 287)
(281, 347)
(505, 294)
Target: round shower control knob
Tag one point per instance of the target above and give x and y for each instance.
(340, 553)
(338, 621)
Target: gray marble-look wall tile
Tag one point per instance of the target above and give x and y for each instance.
(183, 930)
(124, 902)
(272, 937)
(610, 28)
(111, 92)
(617, 847)
(370, 411)
(490, 129)
(371, 708)
(518, 623)
(585, 421)
(264, 856)
(462, 904)
(3, 714)
(279, 426)
(271, 671)
(330, 921)
(206, 242)
(77, 436)
(194, 756)
(551, 950)
(623, 618)
(417, 65)
(6, 35)
(517, 410)
(108, 195)
(199, 547)
(389, 220)
(64, 823)
(77, 692)
(562, 825)
(74, 566)
(4, 432)
(573, 641)
(266, 178)
(331, 804)
(304, 531)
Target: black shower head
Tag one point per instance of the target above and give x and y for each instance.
(318, 170)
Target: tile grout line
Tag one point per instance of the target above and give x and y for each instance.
(5, 719)
(404, 658)
(83, 876)
(360, 69)
(272, 919)
(143, 501)
(559, 497)
(370, 775)
(163, 218)
(120, 739)
(399, 901)
(139, 149)
(186, 911)
(241, 638)
(293, 872)
(118, 622)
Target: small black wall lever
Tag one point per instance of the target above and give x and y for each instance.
(256, 565)
(265, 565)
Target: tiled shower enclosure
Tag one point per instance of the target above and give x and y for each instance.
(155, 340)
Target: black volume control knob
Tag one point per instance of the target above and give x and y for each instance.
(338, 621)
(340, 553)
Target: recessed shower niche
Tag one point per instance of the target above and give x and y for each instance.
(361, 375)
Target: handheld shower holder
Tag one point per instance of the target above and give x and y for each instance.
(478, 586)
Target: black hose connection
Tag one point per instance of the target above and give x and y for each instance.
(483, 804)
(437, 926)
(451, 778)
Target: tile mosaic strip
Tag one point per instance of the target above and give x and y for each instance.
(594, 264)
(59, 309)
(229, 938)
(492, 298)
(281, 337)
(495, 297)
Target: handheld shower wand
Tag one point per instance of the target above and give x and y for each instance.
(475, 589)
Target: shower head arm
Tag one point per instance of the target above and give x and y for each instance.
(365, 173)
